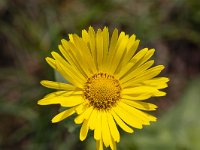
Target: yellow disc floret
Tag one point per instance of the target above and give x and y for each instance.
(102, 91)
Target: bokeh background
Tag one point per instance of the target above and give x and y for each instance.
(30, 29)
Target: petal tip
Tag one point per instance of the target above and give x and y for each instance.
(54, 120)
(42, 82)
(40, 102)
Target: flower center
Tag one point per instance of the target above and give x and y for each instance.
(102, 91)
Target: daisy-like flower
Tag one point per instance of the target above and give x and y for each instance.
(106, 84)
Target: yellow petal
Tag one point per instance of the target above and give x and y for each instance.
(133, 62)
(112, 56)
(88, 112)
(98, 130)
(113, 42)
(137, 113)
(123, 70)
(113, 145)
(140, 105)
(64, 72)
(139, 55)
(85, 115)
(148, 74)
(105, 130)
(105, 48)
(81, 108)
(72, 63)
(139, 90)
(121, 123)
(158, 79)
(51, 62)
(159, 83)
(70, 56)
(137, 97)
(111, 50)
(140, 66)
(143, 58)
(99, 49)
(70, 73)
(78, 56)
(134, 72)
(131, 42)
(119, 53)
(63, 115)
(113, 128)
(92, 43)
(56, 94)
(79, 119)
(84, 130)
(147, 56)
(131, 49)
(126, 117)
(93, 119)
(71, 38)
(85, 36)
(68, 101)
(159, 93)
(99, 145)
(85, 52)
(57, 85)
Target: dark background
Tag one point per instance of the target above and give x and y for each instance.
(30, 29)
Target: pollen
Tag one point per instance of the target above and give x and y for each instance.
(102, 91)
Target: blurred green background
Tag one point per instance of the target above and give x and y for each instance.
(30, 29)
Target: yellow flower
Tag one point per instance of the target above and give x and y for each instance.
(106, 83)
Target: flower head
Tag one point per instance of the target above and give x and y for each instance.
(106, 84)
